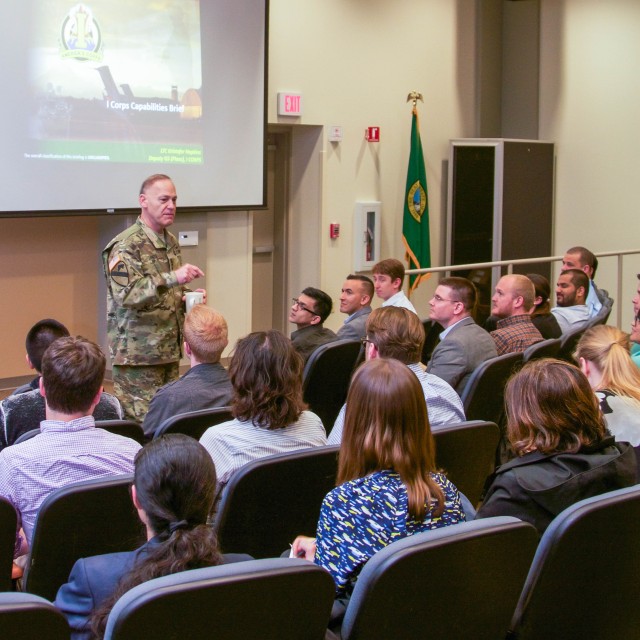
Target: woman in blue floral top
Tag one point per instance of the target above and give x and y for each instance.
(388, 487)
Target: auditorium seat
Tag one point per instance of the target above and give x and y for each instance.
(284, 598)
(461, 581)
(466, 453)
(543, 349)
(583, 582)
(79, 520)
(483, 397)
(326, 378)
(569, 343)
(127, 428)
(269, 501)
(29, 617)
(8, 525)
(194, 423)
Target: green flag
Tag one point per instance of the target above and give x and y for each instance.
(415, 221)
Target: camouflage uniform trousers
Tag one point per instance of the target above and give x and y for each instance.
(134, 386)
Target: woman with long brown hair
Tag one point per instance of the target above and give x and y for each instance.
(270, 415)
(173, 490)
(563, 451)
(388, 485)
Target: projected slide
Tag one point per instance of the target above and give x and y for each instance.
(116, 81)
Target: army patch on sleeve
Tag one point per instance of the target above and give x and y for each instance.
(119, 272)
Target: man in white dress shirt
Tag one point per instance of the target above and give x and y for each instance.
(388, 276)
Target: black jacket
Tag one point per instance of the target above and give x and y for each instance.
(537, 487)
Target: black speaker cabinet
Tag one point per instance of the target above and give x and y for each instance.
(500, 207)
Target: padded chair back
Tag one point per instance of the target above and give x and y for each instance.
(483, 397)
(194, 423)
(79, 520)
(27, 435)
(466, 453)
(583, 581)
(544, 349)
(569, 342)
(461, 581)
(29, 617)
(8, 527)
(326, 378)
(607, 304)
(284, 598)
(126, 428)
(432, 331)
(269, 501)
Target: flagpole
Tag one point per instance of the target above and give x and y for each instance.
(415, 231)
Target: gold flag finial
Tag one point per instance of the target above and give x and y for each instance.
(414, 96)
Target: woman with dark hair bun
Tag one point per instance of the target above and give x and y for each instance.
(388, 484)
(541, 316)
(173, 490)
(563, 451)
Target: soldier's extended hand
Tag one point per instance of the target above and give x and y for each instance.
(188, 272)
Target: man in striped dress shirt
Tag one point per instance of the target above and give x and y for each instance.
(69, 448)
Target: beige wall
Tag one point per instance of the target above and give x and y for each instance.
(48, 269)
(590, 101)
(354, 63)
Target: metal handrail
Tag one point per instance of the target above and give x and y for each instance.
(510, 263)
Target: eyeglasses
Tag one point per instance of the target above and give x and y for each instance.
(366, 341)
(438, 298)
(302, 306)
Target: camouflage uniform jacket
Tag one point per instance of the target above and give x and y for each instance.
(144, 300)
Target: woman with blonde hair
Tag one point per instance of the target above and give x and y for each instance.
(563, 451)
(388, 485)
(603, 355)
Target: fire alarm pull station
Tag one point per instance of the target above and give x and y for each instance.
(334, 230)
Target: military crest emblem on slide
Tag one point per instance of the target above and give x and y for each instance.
(416, 201)
(80, 35)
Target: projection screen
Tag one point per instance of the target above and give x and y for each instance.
(100, 94)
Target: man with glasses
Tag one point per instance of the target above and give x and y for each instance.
(463, 344)
(310, 309)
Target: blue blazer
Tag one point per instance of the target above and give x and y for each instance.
(93, 580)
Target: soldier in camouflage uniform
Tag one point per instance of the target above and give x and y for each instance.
(145, 309)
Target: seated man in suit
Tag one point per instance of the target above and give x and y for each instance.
(582, 259)
(572, 311)
(463, 344)
(355, 301)
(40, 336)
(394, 332)
(69, 447)
(24, 410)
(206, 385)
(310, 309)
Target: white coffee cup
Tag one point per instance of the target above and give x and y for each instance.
(192, 298)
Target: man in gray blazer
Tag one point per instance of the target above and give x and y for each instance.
(355, 301)
(463, 344)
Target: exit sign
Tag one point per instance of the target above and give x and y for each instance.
(289, 104)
